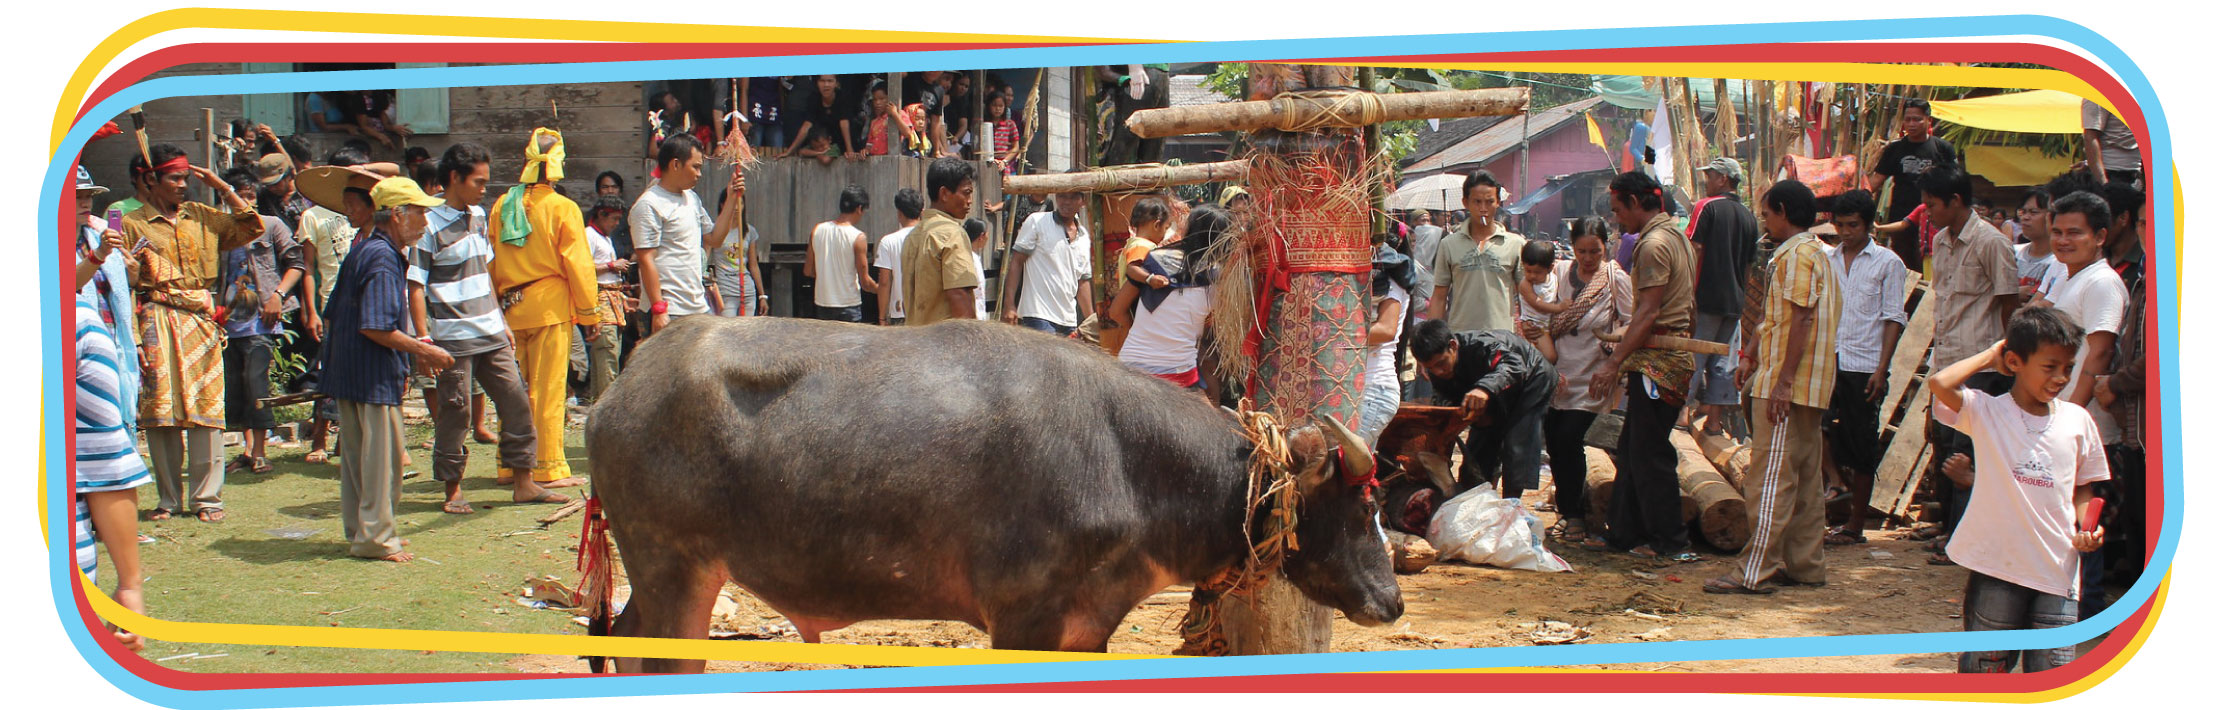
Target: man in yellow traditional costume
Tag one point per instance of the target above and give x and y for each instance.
(545, 275)
(176, 253)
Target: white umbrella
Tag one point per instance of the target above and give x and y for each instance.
(1437, 192)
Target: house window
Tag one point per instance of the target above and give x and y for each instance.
(422, 110)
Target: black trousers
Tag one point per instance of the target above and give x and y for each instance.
(2132, 484)
(1565, 434)
(1645, 498)
(1508, 452)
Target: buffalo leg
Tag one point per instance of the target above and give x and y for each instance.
(671, 598)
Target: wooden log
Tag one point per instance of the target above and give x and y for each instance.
(1126, 178)
(1729, 457)
(1672, 342)
(1305, 111)
(1712, 505)
(1602, 475)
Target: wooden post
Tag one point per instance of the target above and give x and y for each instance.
(1288, 112)
(894, 143)
(1126, 178)
(208, 151)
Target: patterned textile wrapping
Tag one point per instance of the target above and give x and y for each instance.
(172, 264)
(1598, 288)
(1316, 348)
(1670, 369)
(610, 305)
(1825, 176)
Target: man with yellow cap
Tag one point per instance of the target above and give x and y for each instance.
(367, 353)
(544, 273)
(175, 253)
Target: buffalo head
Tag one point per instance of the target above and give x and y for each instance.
(1341, 560)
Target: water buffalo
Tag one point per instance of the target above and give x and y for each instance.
(967, 471)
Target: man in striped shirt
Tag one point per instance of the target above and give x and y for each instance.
(1789, 373)
(452, 301)
(108, 466)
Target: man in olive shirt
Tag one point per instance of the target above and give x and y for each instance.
(939, 277)
(1645, 502)
(1477, 265)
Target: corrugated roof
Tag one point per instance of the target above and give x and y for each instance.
(1187, 90)
(1493, 140)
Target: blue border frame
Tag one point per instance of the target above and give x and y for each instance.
(2106, 53)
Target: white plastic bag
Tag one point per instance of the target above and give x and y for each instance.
(1480, 527)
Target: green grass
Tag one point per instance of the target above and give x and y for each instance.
(246, 569)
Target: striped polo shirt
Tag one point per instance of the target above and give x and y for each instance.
(450, 263)
(107, 459)
(1802, 277)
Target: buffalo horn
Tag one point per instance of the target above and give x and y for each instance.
(1356, 458)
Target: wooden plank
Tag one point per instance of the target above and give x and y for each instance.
(1899, 473)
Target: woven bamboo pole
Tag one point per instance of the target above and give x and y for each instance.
(1126, 178)
(1309, 110)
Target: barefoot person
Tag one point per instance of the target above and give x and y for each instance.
(367, 355)
(451, 300)
(545, 277)
(176, 252)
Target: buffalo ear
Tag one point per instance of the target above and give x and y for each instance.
(1307, 446)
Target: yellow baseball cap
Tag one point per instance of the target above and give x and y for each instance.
(398, 191)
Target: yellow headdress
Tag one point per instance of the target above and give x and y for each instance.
(535, 161)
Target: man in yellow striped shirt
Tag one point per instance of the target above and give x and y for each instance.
(1790, 376)
(544, 275)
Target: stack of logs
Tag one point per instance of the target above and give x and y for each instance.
(1710, 469)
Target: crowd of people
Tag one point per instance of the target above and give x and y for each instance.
(399, 277)
(829, 117)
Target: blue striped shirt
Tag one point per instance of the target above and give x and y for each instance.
(451, 262)
(370, 295)
(107, 458)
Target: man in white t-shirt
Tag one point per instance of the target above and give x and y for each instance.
(838, 259)
(909, 207)
(1053, 255)
(2089, 290)
(668, 224)
(602, 352)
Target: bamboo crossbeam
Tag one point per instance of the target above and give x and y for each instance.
(1673, 342)
(1311, 110)
(1126, 178)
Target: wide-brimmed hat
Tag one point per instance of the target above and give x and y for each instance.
(327, 185)
(273, 168)
(85, 182)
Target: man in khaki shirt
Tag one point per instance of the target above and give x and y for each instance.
(1476, 266)
(1976, 288)
(939, 277)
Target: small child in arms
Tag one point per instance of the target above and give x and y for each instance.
(1538, 261)
(2036, 456)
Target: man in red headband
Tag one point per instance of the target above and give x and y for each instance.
(176, 253)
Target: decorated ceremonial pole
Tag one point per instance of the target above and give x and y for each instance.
(1291, 301)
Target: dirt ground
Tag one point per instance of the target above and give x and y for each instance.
(1881, 587)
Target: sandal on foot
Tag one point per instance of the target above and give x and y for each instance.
(1941, 559)
(1720, 585)
(261, 465)
(210, 515)
(1685, 558)
(157, 515)
(238, 463)
(457, 507)
(1595, 544)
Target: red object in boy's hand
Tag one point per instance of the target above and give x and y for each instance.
(2096, 512)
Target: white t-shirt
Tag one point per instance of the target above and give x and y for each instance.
(2032, 270)
(603, 252)
(726, 263)
(2019, 527)
(890, 258)
(672, 223)
(835, 244)
(2097, 299)
(1166, 341)
(1054, 266)
(1379, 366)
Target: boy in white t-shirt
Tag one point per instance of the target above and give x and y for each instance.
(2036, 458)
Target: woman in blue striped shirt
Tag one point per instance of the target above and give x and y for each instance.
(108, 466)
